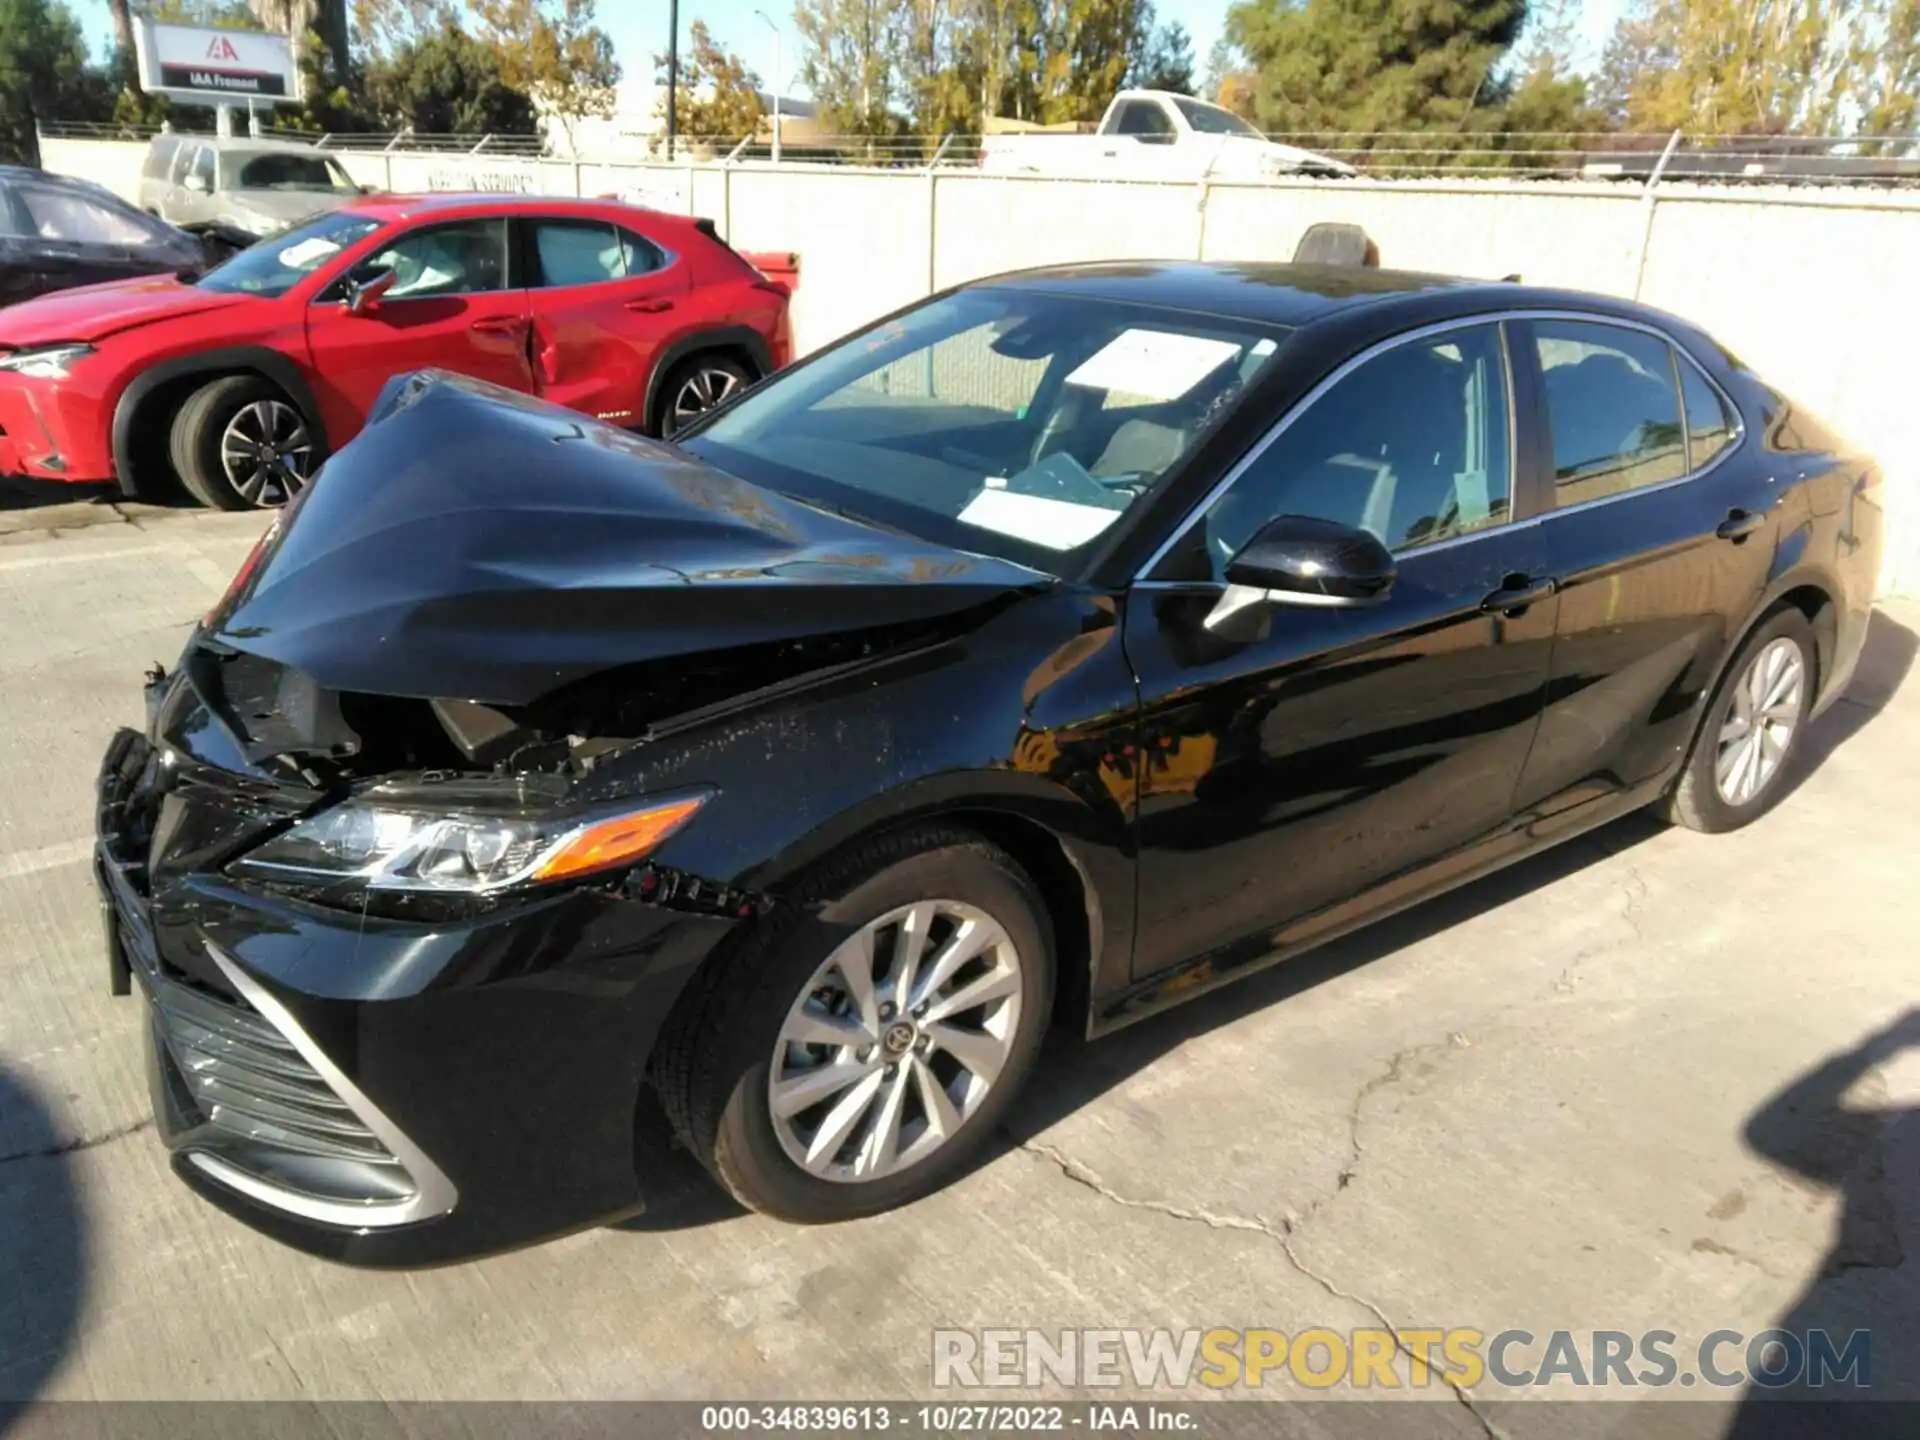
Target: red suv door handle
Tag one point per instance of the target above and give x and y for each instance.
(649, 307)
(505, 325)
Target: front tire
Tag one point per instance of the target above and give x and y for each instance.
(855, 1056)
(1751, 730)
(240, 444)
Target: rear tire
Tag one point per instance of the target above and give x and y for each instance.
(728, 1047)
(229, 419)
(693, 387)
(1751, 729)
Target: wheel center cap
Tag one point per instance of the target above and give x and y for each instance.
(898, 1039)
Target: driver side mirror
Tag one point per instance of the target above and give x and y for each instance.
(1299, 560)
(364, 290)
(197, 183)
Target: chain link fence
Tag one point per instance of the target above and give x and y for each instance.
(1869, 160)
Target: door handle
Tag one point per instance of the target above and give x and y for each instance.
(649, 307)
(1517, 594)
(1739, 524)
(504, 325)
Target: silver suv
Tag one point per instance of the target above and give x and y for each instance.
(261, 186)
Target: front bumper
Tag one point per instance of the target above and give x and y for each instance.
(53, 430)
(390, 1093)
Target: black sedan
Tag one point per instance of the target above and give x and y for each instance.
(1060, 647)
(56, 233)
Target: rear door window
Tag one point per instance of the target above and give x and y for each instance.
(1613, 406)
(576, 252)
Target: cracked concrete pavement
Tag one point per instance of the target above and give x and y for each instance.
(1650, 1080)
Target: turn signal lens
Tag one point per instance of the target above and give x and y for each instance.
(621, 840)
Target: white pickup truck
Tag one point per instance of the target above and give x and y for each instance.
(1156, 135)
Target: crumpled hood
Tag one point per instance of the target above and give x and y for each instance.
(93, 312)
(474, 544)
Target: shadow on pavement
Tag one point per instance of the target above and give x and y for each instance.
(43, 1258)
(1829, 1129)
(19, 493)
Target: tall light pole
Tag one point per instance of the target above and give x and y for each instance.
(673, 70)
(775, 86)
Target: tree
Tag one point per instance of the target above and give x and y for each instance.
(936, 67)
(1375, 65)
(1545, 96)
(447, 82)
(44, 75)
(851, 51)
(382, 28)
(1164, 60)
(1088, 46)
(1889, 85)
(1730, 67)
(320, 24)
(718, 96)
(552, 52)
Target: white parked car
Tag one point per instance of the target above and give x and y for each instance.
(1157, 135)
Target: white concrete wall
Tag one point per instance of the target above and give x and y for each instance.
(1818, 290)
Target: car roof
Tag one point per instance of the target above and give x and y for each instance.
(403, 207)
(1294, 296)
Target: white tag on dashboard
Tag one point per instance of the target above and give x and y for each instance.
(1056, 524)
(1153, 364)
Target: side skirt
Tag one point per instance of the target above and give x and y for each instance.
(1195, 977)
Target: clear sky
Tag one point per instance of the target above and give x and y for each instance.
(639, 28)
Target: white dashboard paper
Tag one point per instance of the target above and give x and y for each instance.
(1056, 524)
(1153, 364)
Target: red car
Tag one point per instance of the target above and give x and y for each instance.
(239, 382)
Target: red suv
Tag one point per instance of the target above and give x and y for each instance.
(239, 382)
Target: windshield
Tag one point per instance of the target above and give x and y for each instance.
(275, 266)
(1213, 120)
(293, 172)
(1002, 422)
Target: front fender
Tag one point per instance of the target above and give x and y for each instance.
(1024, 728)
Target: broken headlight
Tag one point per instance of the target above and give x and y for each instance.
(367, 844)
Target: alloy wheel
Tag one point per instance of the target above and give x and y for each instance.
(705, 388)
(266, 452)
(1760, 725)
(896, 1041)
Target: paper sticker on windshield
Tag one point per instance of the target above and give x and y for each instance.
(1153, 363)
(310, 251)
(1056, 524)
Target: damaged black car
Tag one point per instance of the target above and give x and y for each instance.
(1056, 649)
